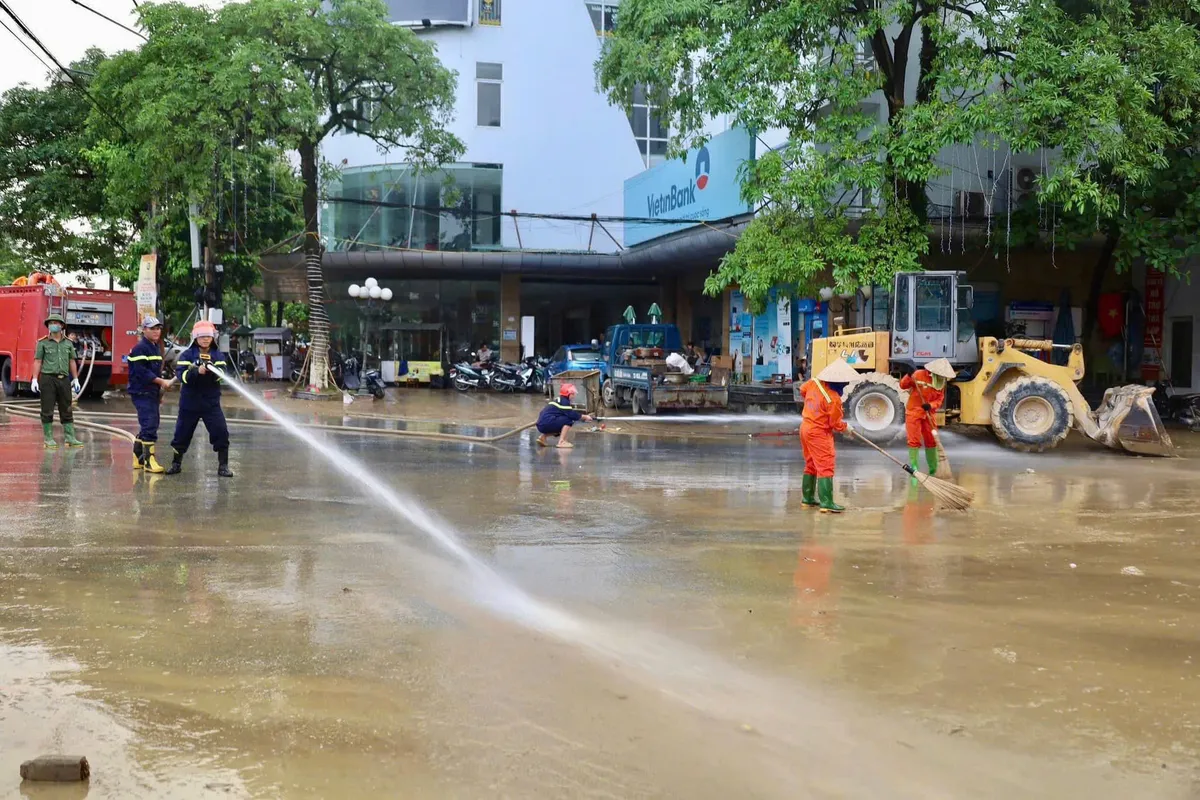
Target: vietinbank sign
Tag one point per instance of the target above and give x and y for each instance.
(702, 186)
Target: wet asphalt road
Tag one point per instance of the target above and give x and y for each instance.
(281, 635)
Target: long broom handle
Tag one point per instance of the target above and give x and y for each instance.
(881, 451)
(924, 402)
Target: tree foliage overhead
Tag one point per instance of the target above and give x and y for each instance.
(872, 93)
(213, 87)
(53, 210)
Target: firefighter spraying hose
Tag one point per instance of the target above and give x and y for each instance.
(201, 369)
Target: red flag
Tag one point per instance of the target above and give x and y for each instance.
(1111, 314)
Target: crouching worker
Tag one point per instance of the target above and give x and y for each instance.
(927, 392)
(558, 416)
(200, 398)
(822, 397)
(146, 387)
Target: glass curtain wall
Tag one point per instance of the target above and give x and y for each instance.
(393, 206)
(470, 310)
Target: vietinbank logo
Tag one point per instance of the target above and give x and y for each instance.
(703, 164)
(678, 197)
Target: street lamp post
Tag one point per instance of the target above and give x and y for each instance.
(372, 297)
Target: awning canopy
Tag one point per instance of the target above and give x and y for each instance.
(701, 247)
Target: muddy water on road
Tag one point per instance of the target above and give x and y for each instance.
(274, 636)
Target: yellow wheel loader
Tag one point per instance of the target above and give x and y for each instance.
(1030, 403)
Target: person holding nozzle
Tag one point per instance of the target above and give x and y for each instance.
(56, 377)
(558, 416)
(146, 388)
(200, 398)
(822, 399)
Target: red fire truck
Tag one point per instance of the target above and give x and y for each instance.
(105, 324)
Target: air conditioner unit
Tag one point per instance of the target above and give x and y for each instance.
(1025, 183)
(972, 204)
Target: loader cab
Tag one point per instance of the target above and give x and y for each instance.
(931, 319)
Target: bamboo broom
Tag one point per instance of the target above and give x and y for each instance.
(952, 495)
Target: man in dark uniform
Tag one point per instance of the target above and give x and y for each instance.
(55, 377)
(558, 416)
(146, 385)
(200, 398)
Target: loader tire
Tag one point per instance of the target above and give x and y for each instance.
(1032, 414)
(874, 407)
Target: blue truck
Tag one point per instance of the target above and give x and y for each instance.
(636, 374)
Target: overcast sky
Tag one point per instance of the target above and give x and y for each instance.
(67, 30)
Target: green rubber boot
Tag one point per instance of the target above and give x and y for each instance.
(914, 458)
(69, 428)
(809, 487)
(931, 459)
(825, 492)
(48, 436)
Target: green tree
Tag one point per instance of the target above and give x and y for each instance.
(53, 210)
(195, 133)
(1151, 217)
(364, 76)
(277, 73)
(871, 93)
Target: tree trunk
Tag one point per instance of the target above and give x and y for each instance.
(318, 319)
(1100, 271)
(279, 313)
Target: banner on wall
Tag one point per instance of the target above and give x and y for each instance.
(765, 342)
(783, 329)
(1153, 337)
(737, 304)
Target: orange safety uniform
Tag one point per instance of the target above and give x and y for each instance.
(917, 422)
(822, 416)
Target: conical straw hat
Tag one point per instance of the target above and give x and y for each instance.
(942, 368)
(838, 372)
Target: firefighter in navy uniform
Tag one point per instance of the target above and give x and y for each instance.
(146, 387)
(200, 398)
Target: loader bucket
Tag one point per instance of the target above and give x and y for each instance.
(1127, 420)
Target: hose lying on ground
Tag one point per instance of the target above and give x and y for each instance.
(16, 408)
(109, 429)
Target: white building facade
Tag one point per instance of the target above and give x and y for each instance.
(539, 137)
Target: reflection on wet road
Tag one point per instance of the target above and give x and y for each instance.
(278, 635)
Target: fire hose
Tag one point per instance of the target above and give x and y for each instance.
(88, 347)
(21, 408)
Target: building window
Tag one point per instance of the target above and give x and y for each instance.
(649, 130)
(415, 13)
(604, 17)
(487, 94)
(395, 207)
(489, 12)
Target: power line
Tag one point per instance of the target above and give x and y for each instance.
(25, 44)
(110, 19)
(33, 38)
(528, 214)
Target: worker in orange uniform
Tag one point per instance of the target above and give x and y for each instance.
(926, 393)
(822, 398)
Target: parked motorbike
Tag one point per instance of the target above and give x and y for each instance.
(1180, 408)
(507, 377)
(465, 376)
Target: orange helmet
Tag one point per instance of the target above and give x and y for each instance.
(568, 390)
(203, 328)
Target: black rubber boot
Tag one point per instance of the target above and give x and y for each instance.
(223, 464)
(176, 464)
